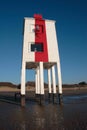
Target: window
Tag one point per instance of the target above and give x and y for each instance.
(37, 47)
(39, 28)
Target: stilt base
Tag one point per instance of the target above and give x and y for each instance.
(49, 96)
(60, 99)
(37, 95)
(23, 100)
(54, 96)
(41, 99)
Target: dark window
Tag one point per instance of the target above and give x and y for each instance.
(37, 47)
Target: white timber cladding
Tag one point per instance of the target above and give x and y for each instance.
(29, 38)
(52, 43)
(36, 83)
(54, 79)
(38, 80)
(29, 56)
(41, 77)
(23, 73)
(49, 80)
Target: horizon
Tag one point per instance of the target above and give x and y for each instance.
(80, 83)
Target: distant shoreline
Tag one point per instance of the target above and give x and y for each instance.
(66, 90)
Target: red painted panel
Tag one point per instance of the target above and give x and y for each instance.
(40, 37)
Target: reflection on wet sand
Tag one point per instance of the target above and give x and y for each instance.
(71, 116)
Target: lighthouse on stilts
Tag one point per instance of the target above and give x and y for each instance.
(40, 51)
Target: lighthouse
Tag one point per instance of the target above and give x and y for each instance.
(40, 51)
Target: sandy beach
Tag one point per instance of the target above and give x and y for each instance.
(66, 90)
(72, 115)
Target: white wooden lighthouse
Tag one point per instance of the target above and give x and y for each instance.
(40, 51)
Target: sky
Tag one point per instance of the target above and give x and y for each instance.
(71, 27)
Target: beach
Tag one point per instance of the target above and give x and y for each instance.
(72, 115)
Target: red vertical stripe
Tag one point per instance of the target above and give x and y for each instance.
(40, 37)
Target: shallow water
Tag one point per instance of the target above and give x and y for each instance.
(71, 116)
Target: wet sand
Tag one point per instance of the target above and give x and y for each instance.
(71, 116)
